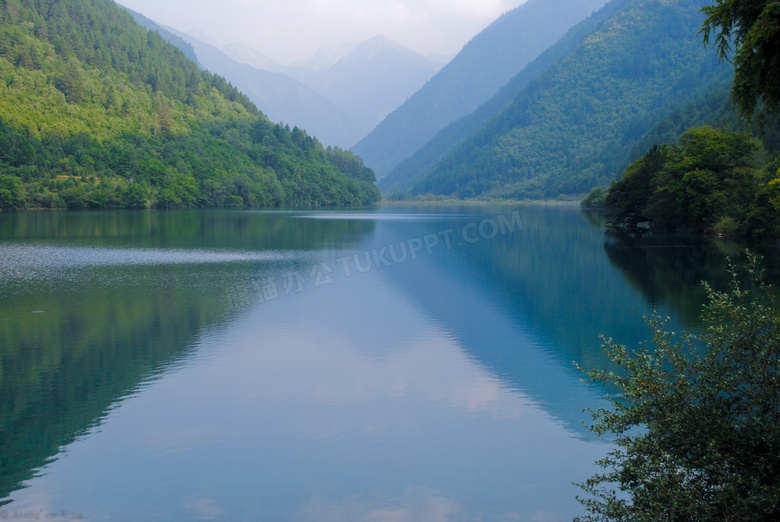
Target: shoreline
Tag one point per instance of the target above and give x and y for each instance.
(480, 202)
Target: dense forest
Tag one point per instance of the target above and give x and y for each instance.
(97, 112)
(574, 126)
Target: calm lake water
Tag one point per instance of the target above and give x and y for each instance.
(394, 364)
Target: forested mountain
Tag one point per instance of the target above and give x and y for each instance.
(574, 126)
(95, 111)
(482, 67)
(400, 179)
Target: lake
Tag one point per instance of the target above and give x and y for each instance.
(389, 364)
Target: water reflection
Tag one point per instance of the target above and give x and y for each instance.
(90, 345)
(669, 272)
(287, 416)
(210, 229)
(439, 387)
(528, 304)
(81, 327)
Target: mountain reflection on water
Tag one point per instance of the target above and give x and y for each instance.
(225, 364)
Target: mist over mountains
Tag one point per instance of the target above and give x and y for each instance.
(338, 96)
(249, 56)
(553, 97)
(482, 67)
(367, 80)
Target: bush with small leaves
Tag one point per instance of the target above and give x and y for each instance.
(696, 419)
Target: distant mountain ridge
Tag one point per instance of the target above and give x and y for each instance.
(339, 96)
(374, 78)
(482, 67)
(260, 87)
(246, 55)
(282, 98)
(366, 80)
(339, 103)
(325, 57)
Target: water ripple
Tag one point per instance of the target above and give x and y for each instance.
(17, 261)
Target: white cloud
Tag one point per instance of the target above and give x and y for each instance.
(295, 29)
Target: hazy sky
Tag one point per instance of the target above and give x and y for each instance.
(288, 30)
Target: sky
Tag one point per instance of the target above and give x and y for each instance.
(290, 30)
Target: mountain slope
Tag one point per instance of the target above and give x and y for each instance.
(574, 126)
(403, 176)
(482, 67)
(280, 97)
(168, 36)
(97, 112)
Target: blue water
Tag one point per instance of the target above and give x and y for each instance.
(296, 366)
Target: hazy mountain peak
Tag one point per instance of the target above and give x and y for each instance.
(381, 41)
(326, 57)
(247, 55)
(202, 36)
(369, 79)
(371, 49)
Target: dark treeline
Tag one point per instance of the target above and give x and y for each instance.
(217, 165)
(711, 181)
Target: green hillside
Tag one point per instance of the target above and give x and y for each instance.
(166, 35)
(715, 109)
(97, 112)
(575, 125)
(404, 175)
(480, 69)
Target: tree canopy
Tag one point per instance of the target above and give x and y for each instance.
(709, 181)
(752, 27)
